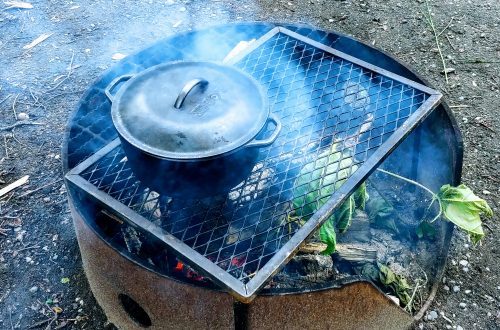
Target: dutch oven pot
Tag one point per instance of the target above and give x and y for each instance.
(191, 129)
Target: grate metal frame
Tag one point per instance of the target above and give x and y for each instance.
(245, 291)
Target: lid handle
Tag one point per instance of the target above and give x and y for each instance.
(188, 87)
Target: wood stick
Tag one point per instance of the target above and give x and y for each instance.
(14, 185)
(39, 188)
(20, 123)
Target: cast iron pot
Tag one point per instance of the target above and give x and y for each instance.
(191, 129)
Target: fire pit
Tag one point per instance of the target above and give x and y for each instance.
(162, 262)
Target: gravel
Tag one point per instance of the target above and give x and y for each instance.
(471, 40)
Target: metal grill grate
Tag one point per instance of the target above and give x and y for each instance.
(340, 118)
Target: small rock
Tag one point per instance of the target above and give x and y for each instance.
(467, 291)
(446, 288)
(46, 199)
(462, 305)
(456, 288)
(28, 259)
(465, 120)
(182, 9)
(465, 269)
(118, 56)
(466, 245)
(486, 192)
(33, 289)
(482, 35)
(23, 116)
(459, 328)
(463, 262)
(448, 70)
(432, 315)
(489, 314)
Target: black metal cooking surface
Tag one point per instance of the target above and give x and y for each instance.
(329, 103)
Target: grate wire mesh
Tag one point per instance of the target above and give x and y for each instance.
(335, 114)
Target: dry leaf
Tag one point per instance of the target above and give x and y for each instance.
(18, 4)
(57, 309)
(37, 40)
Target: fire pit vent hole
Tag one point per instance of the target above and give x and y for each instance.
(135, 311)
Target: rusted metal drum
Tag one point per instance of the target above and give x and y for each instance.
(136, 295)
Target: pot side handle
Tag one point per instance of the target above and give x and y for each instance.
(269, 140)
(113, 84)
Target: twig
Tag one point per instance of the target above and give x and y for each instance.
(37, 324)
(446, 27)
(14, 185)
(20, 123)
(449, 41)
(410, 302)
(63, 93)
(28, 248)
(39, 188)
(5, 144)
(64, 79)
(434, 196)
(459, 106)
(10, 318)
(14, 106)
(431, 23)
(5, 99)
(487, 126)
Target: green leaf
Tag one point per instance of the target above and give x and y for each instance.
(381, 213)
(328, 236)
(462, 207)
(425, 229)
(316, 182)
(371, 272)
(361, 196)
(389, 281)
(387, 276)
(344, 214)
(64, 280)
(395, 283)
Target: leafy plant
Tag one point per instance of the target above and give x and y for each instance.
(395, 283)
(380, 212)
(456, 204)
(462, 207)
(317, 181)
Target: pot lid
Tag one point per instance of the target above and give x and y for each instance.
(189, 110)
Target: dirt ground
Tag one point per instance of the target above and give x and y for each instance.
(40, 264)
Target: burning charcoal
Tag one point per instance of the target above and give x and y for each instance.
(132, 240)
(311, 266)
